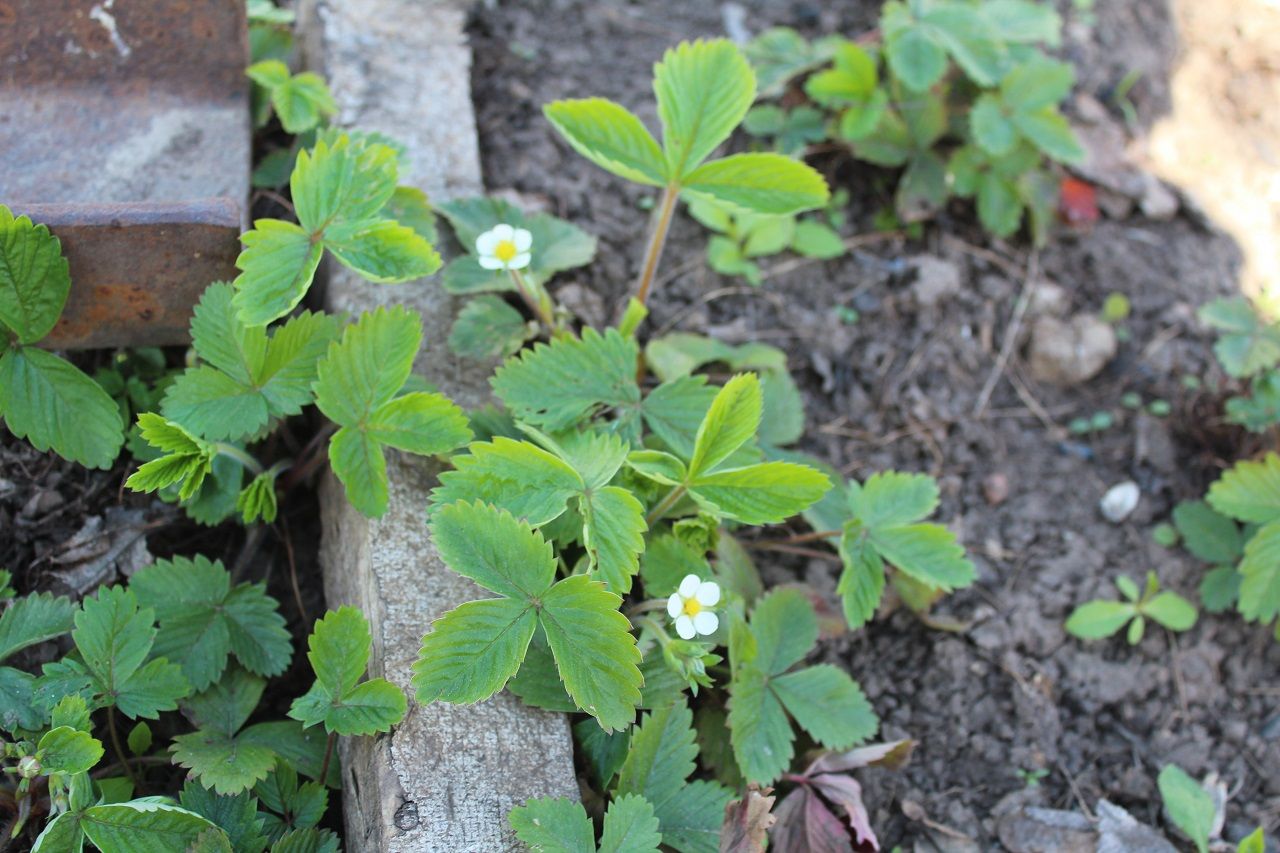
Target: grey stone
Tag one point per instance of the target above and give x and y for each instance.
(1120, 832)
(446, 778)
(1072, 351)
(936, 281)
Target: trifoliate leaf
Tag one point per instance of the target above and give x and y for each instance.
(1248, 343)
(54, 405)
(68, 751)
(1259, 598)
(338, 650)
(277, 267)
(33, 619)
(914, 53)
(610, 136)
(780, 53)
(1023, 21)
(187, 460)
(203, 619)
(759, 730)
(592, 374)
(258, 499)
(1249, 491)
(289, 805)
(214, 405)
(143, 826)
(518, 476)
(34, 277)
(760, 183)
(214, 753)
(344, 179)
(558, 825)
(356, 386)
(1189, 805)
(300, 100)
(704, 88)
(630, 826)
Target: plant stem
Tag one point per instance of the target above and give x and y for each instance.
(252, 465)
(116, 745)
(537, 305)
(813, 536)
(664, 506)
(657, 240)
(328, 756)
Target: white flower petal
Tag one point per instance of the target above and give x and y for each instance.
(487, 243)
(519, 262)
(490, 263)
(523, 240)
(689, 586)
(675, 606)
(705, 623)
(709, 594)
(684, 627)
(503, 232)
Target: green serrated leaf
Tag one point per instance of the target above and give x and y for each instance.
(277, 267)
(767, 493)
(760, 182)
(704, 88)
(382, 251)
(487, 327)
(494, 549)
(828, 704)
(33, 619)
(594, 373)
(611, 137)
(142, 826)
(473, 650)
(68, 751)
(630, 826)
(1248, 344)
(1259, 598)
(613, 535)
(553, 826)
(759, 730)
(1171, 610)
(785, 630)
(1249, 491)
(730, 422)
(54, 405)
(34, 277)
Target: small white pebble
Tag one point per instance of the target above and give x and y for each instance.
(1119, 501)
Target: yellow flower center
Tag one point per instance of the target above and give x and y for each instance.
(692, 607)
(505, 251)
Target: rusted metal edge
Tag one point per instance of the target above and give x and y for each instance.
(137, 268)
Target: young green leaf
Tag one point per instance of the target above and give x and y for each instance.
(704, 88)
(338, 650)
(1189, 806)
(187, 460)
(203, 619)
(114, 638)
(1171, 610)
(301, 100)
(1098, 619)
(1248, 343)
(759, 182)
(473, 650)
(658, 767)
(68, 751)
(591, 374)
(34, 277)
(630, 826)
(612, 137)
(289, 806)
(356, 387)
(54, 405)
(215, 753)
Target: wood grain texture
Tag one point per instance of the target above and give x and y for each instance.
(445, 779)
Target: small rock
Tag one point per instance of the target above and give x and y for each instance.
(1120, 501)
(995, 488)
(1120, 832)
(936, 280)
(1153, 443)
(1157, 200)
(1070, 352)
(1047, 298)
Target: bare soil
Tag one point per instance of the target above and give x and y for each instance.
(901, 388)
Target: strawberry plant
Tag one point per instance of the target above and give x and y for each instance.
(958, 95)
(605, 510)
(1098, 619)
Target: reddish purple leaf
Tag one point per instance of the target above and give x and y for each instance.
(845, 792)
(891, 755)
(747, 822)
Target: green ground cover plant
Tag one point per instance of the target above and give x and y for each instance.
(605, 507)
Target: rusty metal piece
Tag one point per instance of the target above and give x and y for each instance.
(128, 122)
(137, 268)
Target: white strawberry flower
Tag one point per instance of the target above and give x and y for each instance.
(690, 607)
(504, 248)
